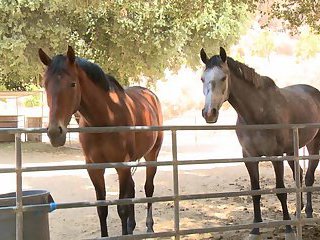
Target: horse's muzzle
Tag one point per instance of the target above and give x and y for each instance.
(210, 116)
(57, 135)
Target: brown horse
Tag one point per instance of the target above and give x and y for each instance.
(258, 100)
(74, 84)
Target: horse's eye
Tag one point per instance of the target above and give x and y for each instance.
(223, 79)
(73, 84)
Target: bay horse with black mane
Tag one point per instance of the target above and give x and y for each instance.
(258, 100)
(73, 85)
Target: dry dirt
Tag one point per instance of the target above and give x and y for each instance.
(69, 186)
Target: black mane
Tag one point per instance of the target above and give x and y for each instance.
(214, 61)
(242, 71)
(94, 72)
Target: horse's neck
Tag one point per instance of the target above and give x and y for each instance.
(246, 100)
(99, 107)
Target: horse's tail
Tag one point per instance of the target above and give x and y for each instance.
(134, 169)
(77, 117)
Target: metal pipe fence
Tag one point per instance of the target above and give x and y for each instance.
(175, 163)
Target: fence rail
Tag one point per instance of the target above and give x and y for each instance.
(175, 163)
(166, 128)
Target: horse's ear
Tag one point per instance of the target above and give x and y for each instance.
(223, 54)
(203, 56)
(70, 54)
(45, 59)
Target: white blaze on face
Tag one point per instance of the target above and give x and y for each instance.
(215, 88)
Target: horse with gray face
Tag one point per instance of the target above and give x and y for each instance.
(258, 100)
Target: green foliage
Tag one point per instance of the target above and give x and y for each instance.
(3, 88)
(32, 101)
(128, 39)
(238, 56)
(263, 44)
(298, 13)
(308, 45)
(35, 99)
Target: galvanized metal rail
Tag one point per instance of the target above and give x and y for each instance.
(176, 197)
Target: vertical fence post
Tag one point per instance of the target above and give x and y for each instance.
(298, 183)
(175, 184)
(19, 204)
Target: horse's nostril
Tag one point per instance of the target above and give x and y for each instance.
(203, 112)
(214, 111)
(60, 130)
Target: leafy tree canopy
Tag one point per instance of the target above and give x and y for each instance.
(298, 13)
(128, 39)
(308, 45)
(264, 44)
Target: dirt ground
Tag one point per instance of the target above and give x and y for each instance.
(70, 186)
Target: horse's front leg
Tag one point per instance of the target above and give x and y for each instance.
(126, 190)
(97, 178)
(253, 169)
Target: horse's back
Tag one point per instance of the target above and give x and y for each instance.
(295, 104)
(302, 90)
(137, 107)
(145, 105)
(303, 102)
(147, 112)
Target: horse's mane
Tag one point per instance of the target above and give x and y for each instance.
(249, 74)
(243, 71)
(94, 72)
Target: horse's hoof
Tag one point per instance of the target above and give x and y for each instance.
(309, 215)
(290, 236)
(130, 230)
(309, 211)
(150, 230)
(254, 237)
(131, 225)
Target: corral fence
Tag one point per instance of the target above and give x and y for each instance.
(18, 209)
